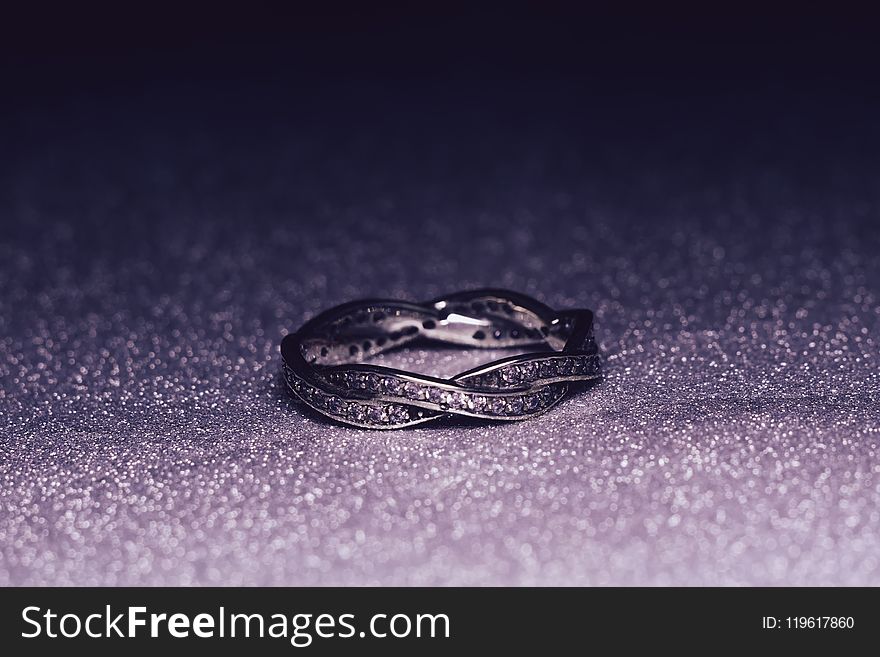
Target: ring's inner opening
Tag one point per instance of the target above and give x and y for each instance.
(370, 332)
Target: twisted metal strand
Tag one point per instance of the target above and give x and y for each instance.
(323, 360)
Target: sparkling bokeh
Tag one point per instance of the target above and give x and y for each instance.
(152, 258)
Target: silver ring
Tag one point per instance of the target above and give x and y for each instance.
(323, 360)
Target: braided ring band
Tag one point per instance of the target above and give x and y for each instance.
(323, 360)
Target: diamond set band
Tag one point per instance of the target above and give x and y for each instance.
(323, 361)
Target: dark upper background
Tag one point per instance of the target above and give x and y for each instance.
(179, 187)
(785, 90)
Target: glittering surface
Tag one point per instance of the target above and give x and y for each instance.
(150, 266)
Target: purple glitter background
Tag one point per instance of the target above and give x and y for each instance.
(158, 244)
